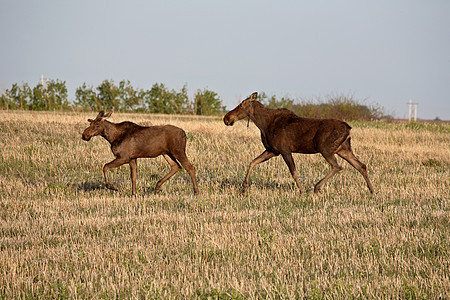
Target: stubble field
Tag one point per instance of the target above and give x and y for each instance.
(64, 235)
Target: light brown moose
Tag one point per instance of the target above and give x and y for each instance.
(283, 132)
(130, 141)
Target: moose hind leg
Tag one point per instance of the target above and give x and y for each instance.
(174, 167)
(184, 161)
(289, 160)
(133, 171)
(348, 155)
(335, 168)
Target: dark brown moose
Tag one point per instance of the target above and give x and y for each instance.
(130, 141)
(283, 132)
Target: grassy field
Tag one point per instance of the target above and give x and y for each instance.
(63, 235)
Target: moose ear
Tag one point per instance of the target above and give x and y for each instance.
(100, 114)
(253, 96)
(109, 114)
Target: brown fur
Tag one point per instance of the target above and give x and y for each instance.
(130, 141)
(283, 132)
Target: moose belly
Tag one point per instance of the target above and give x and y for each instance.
(136, 147)
(303, 149)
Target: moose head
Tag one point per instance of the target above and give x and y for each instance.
(243, 110)
(97, 125)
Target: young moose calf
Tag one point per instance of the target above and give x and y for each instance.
(130, 141)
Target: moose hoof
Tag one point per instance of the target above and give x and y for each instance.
(316, 189)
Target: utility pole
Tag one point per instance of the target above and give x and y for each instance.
(44, 94)
(409, 110)
(415, 112)
(410, 103)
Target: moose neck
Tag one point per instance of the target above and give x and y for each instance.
(261, 116)
(111, 131)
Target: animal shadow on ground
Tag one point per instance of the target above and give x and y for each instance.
(97, 184)
(89, 186)
(149, 183)
(236, 183)
(272, 185)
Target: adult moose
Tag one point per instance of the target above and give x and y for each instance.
(283, 132)
(130, 141)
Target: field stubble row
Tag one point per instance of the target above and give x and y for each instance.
(62, 234)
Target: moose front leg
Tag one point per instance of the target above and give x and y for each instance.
(114, 164)
(266, 155)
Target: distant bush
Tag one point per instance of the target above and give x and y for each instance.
(339, 107)
(273, 102)
(335, 106)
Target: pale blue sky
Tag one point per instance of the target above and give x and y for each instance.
(384, 51)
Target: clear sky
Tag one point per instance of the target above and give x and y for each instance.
(379, 51)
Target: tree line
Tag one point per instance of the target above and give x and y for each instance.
(49, 96)
(52, 95)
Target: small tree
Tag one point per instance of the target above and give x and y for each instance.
(4, 102)
(160, 99)
(156, 98)
(56, 94)
(38, 101)
(18, 97)
(181, 100)
(129, 97)
(207, 102)
(86, 97)
(108, 94)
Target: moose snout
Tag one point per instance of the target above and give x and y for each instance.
(85, 137)
(227, 121)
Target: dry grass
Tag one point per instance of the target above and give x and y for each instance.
(63, 235)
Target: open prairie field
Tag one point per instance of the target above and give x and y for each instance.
(64, 235)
